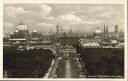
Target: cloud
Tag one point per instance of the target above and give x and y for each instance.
(73, 19)
(70, 18)
(38, 12)
(42, 11)
(93, 21)
(45, 10)
(44, 24)
(50, 18)
(46, 16)
(8, 27)
(7, 24)
(13, 12)
(95, 9)
(106, 14)
(45, 27)
(102, 11)
(30, 21)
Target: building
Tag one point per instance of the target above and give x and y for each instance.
(20, 35)
(97, 33)
(116, 30)
(103, 39)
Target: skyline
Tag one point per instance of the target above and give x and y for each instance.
(80, 17)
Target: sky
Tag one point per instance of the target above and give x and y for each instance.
(79, 17)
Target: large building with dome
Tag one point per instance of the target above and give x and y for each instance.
(20, 35)
(102, 37)
(23, 36)
(97, 33)
(21, 32)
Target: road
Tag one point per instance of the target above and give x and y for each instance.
(68, 68)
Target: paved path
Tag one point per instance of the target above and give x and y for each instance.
(68, 70)
(68, 66)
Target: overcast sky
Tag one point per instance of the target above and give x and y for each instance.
(80, 17)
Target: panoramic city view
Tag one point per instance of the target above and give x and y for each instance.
(63, 41)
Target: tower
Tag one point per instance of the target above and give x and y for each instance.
(57, 29)
(21, 22)
(116, 30)
(34, 33)
(107, 30)
(70, 31)
(97, 27)
(104, 29)
(51, 31)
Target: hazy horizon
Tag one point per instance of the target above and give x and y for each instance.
(80, 17)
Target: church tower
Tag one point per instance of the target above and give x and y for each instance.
(70, 32)
(104, 30)
(116, 30)
(107, 30)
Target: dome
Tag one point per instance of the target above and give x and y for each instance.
(97, 31)
(16, 31)
(34, 30)
(114, 41)
(22, 27)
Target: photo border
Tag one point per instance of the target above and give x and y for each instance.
(124, 2)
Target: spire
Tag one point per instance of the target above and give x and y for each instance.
(51, 31)
(70, 31)
(21, 21)
(97, 27)
(107, 29)
(116, 29)
(57, 29)
(104, 29)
